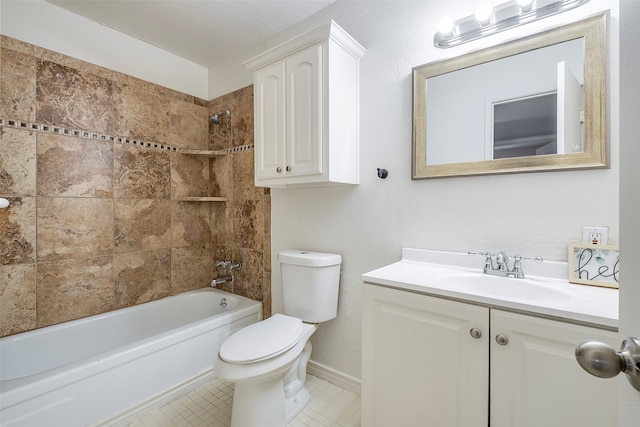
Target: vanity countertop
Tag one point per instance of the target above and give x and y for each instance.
(435, 272)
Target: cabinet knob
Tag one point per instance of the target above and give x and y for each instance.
(502, 340)
(278, 169)
(475, 333)
(288, 168)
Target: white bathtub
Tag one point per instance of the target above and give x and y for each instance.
(79, 372)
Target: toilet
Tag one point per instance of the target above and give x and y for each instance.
(267, 360)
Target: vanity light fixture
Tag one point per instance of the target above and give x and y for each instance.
(525, 5)
(490, 20)
(484, 13)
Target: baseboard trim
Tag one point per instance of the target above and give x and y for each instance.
(338, 378)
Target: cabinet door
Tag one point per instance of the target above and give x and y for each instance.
(420, 364)
(536, 381)
(304, 112)
(269, 112)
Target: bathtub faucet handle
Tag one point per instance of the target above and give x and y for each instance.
(223, 264)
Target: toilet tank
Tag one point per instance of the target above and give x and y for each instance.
(310, 283)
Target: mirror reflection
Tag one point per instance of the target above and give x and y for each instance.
(533, 104)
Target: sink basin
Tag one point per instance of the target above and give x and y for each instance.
(509, 288)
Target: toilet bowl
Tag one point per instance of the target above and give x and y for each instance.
(268, 360)
(269, 375)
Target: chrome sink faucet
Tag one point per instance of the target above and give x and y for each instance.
(497, 264)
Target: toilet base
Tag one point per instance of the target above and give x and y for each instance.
(273, 400)
(296, 404)
(259, 404)
(264, 404)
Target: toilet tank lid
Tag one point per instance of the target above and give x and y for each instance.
(308, 258)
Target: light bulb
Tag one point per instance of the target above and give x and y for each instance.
(446, 26)
(484, 13)
(525, 5)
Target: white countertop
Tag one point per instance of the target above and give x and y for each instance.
(420, 269)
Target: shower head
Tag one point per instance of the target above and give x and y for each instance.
(215, 119)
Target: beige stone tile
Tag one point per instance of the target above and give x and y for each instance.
(243, 178)
(249, 279)
(248, 223)
(74, 227)
(190, 268)
(189, 175)
(77, 100)
(222, 223)
(143, 113)
(141, 277)
(17, 85)
(74, 167)
(142, 224)
(242, 121)
(17, 162)
(18, 231)
(141, 173)
(17, 298)
(266, 296)
(220, 134)
(221, 177)
(74, 288)
(189, 127)
(190, 224)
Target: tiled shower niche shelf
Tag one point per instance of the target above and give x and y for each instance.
(201, 199)
(203, 153)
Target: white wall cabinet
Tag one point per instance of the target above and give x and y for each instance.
(429, 361)
(306, 110)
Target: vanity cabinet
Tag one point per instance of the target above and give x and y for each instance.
(430, 361)
(306, 110)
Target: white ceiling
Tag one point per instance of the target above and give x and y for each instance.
(202, 31)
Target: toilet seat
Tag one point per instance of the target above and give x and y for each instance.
(262, 340)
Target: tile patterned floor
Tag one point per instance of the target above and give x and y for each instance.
(209, 405)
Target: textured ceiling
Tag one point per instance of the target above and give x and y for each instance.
(202, 31)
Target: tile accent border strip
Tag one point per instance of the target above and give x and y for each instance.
(60, 130)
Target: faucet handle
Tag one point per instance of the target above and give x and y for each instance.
(479, 253)
(517, 263)
(488, 261)
(519, 258)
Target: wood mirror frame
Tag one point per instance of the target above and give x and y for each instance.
(595, 147)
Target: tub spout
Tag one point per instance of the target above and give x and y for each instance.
(221, 280)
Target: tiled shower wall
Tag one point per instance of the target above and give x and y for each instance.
(93, 175)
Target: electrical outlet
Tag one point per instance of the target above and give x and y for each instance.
(595, 235)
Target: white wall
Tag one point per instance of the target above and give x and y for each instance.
(535, 214)
(51, 27)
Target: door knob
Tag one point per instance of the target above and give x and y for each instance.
(603, 361)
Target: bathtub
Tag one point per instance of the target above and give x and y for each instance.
(79, 372)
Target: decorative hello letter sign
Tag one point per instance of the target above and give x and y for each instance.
(596, 265)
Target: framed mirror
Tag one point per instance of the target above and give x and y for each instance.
(534, 104)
